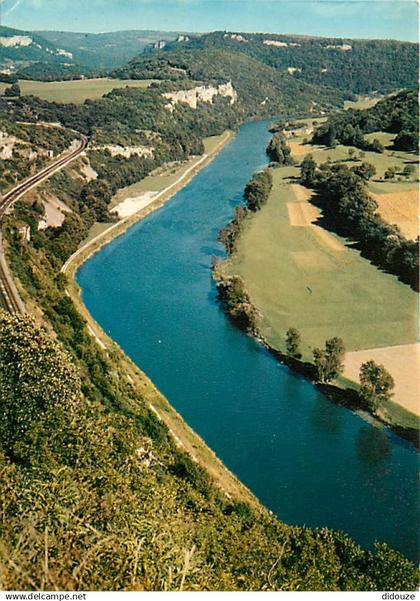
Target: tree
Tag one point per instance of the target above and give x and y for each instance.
(258, 190)
(14, 90)
(308, 171)
(365, 171)
(37, 382)
(351, 153)
(390, 173)
(278, 150)
(407, 140)
(238, 304)
(408, 170)
(293, 342)
(329, 361)
(376, 146)
(376, 384)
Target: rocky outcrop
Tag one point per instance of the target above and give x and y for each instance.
(126, 151)
(342, 47)
(15, 40)
(275, 43)
(201, 94)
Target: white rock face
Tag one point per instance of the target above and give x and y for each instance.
(201, 94)
(236, 36)
(275, 43)
(62, 52)
(292, 70)
(126, 151)
(88, 173)
(342, 47)
(15, 40)
(7, 143)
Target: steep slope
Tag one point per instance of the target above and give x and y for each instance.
(29, 55)
(107, 49)
(262, 90)
(359, 66)
(398, 114)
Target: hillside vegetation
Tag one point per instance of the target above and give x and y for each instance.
(358, 66)
(95, 494)
(398, 114)
(53, 55)
(262, 89)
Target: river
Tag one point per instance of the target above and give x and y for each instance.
(311, 462)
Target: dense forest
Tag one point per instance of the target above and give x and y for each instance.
(263, 90)
(398, 114)
(358, 66)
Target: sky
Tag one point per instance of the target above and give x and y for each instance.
(397, 19)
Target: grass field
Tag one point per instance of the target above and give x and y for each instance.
(395, 358)
(313, 281)
(300, 275)
(363, 102)
(76, 91)
(398, 199)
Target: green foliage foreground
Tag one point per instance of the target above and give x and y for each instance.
(100, 498)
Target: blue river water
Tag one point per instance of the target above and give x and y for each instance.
(311, 462)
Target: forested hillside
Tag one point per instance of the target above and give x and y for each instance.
(110, 49)
(355, 66)
(398, 114)
(359, 66)
(56, 55)
(262, 90)
(31, 55)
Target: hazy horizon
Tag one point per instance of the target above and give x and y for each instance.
(382, 19)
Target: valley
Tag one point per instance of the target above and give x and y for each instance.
(146, 443)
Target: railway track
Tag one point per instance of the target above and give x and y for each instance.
(9, 293)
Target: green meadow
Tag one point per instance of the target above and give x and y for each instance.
(316, 282)
(76, 91)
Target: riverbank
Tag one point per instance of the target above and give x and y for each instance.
(184, 437)
(93, 245)
(308, 302)
(276, 431)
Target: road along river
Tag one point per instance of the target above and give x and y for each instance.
(311, 462)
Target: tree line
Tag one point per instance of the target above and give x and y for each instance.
(398, 114)
(256, 194)
(345, 200)
(376, 383)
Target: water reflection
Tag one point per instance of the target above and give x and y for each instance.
(373, 446)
